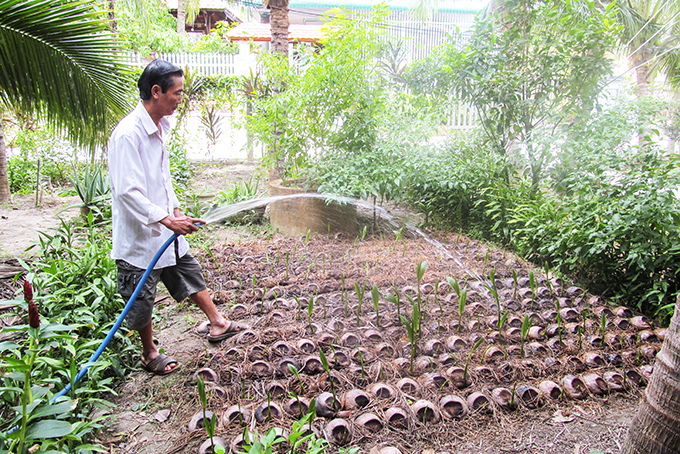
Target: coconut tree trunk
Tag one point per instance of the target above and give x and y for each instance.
(279, 43)
(182, 17)
(279, 26)
(4, 175)
(656, 426)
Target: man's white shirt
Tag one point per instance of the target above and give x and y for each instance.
(141, 189)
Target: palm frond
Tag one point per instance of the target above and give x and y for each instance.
(60, 59)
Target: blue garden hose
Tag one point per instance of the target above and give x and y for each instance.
(121, 317)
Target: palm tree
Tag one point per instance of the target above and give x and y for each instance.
(650, 39)
(656, 426)
(58, 59)
(279, 25)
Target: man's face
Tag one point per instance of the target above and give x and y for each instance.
(172, 98)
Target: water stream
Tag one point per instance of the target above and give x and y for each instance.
(223, 212)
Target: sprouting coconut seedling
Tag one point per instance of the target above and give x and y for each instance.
(308, 236)
(421, 267)
(375, 294)
(579, 332)
(364, 231)
(467, 361)
(394, 299)
(462, 301)
(533, 284)
(295, 372)
(547, 278)
(501, 322)
(344, 295)
(558, 319)
(487, 256)
(208, 423)
(361, 360)
(412, 329)
(310, 309)
(327, 368)
(254, 282)
(269, 404)
(436, 299)
(603, 325)
(526, 326)
(494, 292)
(360, 289)
(514, 280)
(299, 306)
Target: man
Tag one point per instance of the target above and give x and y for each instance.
(146, 213)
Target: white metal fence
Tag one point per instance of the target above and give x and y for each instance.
(459, 114)
(204, 64)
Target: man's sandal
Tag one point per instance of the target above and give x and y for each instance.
(233, 328)
(159, 363)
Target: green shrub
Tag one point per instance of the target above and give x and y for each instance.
(448, 184)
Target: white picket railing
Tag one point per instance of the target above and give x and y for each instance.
(460, 115)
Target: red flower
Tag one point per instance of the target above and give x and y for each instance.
(28, 291)
(33, 315)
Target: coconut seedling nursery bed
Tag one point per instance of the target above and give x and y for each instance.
(374, 331)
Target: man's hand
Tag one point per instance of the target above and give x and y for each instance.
(180, 224)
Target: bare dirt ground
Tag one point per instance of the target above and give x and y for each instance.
(152, 412)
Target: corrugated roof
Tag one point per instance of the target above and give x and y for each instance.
(263, 32)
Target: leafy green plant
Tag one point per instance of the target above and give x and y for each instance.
(375, 293)
(209, 423)
(394, 298)
(526, 326)
(412, 328)
(469, 357)
(327, 368)
(494, 292)
(92, 187)
(310, 309)
(360, 289)
(295, 372)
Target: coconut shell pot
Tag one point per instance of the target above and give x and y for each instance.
(207, 375)
(504, 398)
(426, 412)
(207, 447)
(370, 422)
(236, 414)
(433, 380)
(327, 406)
(453, 407)
(338, 432)
(197, 421)
(296, 407)
(408, 386)
(354, 399)
(396, 417)
(550, 389)
(573, 387)
(267, 411)
(478, 402)
(457, 377)
(455, 343)
(529, 396)
(382, 390)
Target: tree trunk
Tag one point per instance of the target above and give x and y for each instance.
(279, 43)
(656, 426)
(641, 75)
(112, 15)
(279, 26)
(4, 175)
(182, 17)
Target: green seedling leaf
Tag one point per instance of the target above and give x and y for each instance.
(455, 285)
(48, 428)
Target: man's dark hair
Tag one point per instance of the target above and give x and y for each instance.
(158, 72)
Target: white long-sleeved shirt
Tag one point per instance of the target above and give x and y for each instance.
(141, 190)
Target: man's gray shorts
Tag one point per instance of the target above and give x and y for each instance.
(181, 280)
